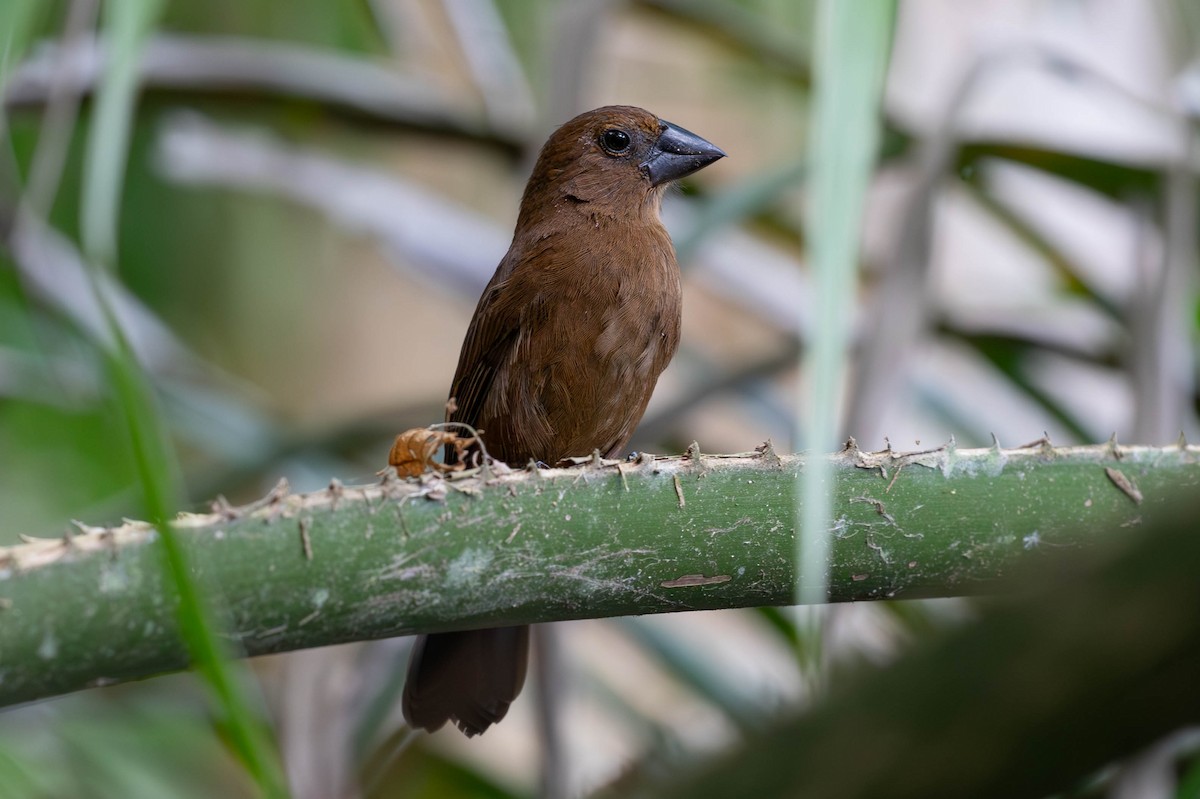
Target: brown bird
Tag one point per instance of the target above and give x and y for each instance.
(563, 352)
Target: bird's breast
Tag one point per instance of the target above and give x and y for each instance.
(602, 329)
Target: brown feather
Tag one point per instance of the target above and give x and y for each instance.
(560, 359)
(474, 672)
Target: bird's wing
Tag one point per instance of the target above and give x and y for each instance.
(494, 332)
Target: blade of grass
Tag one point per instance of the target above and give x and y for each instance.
(127, 24)
(853, 42)
(238, 721)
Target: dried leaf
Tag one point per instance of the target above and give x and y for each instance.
(414, 450)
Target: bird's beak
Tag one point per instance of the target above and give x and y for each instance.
(678, 153)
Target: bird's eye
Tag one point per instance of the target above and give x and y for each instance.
(615, 141)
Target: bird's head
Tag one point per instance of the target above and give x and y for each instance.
(617, 159)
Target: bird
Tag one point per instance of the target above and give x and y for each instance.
(562, 353)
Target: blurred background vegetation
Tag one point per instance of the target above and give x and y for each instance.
(317, 191)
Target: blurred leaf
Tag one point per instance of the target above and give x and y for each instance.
(218, 422)
(18, 21)
(139, 756)
(487, 51)
(734, 204)
(661, 738)
(1064, 268)
(694, 668)
(152, 742)
(526, 24)
(781, 622)
(810, 644)
(302, 86)
(1189, 781)
(853, 43)
(240, 722)
(346, 25)
(1110, 178)
(1009, 356)
(383, 702)
(775, 45)
(1097, 662)
(426, 774)
(127, 25)
(914, 617)
(86, 451)
(20, 777)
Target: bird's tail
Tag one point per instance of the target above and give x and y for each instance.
(468, 677)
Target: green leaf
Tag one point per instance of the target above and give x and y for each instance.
(127, 24)
(853, 43)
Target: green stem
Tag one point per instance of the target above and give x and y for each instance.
(662, 535)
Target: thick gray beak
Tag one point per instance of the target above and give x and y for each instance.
(678, 153)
